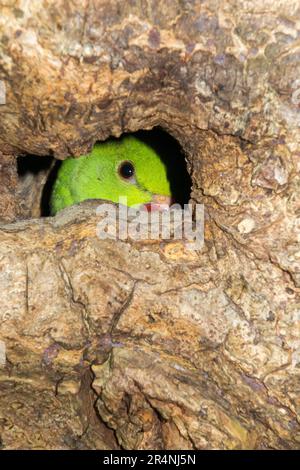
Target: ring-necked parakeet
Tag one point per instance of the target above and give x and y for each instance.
(124, 167)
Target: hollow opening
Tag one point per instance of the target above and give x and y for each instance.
(37, 175)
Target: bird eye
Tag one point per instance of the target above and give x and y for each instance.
(126, 170)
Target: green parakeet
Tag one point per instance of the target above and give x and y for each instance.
(124, 167)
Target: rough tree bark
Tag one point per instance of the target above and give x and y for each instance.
(113, 344)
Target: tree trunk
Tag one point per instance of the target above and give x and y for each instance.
(113, 344)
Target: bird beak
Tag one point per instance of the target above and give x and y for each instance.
(159, 203)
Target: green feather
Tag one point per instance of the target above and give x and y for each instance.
(96, 176)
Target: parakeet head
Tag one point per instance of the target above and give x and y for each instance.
(124, 167)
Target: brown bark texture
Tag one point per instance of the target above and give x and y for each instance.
(112, 344)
